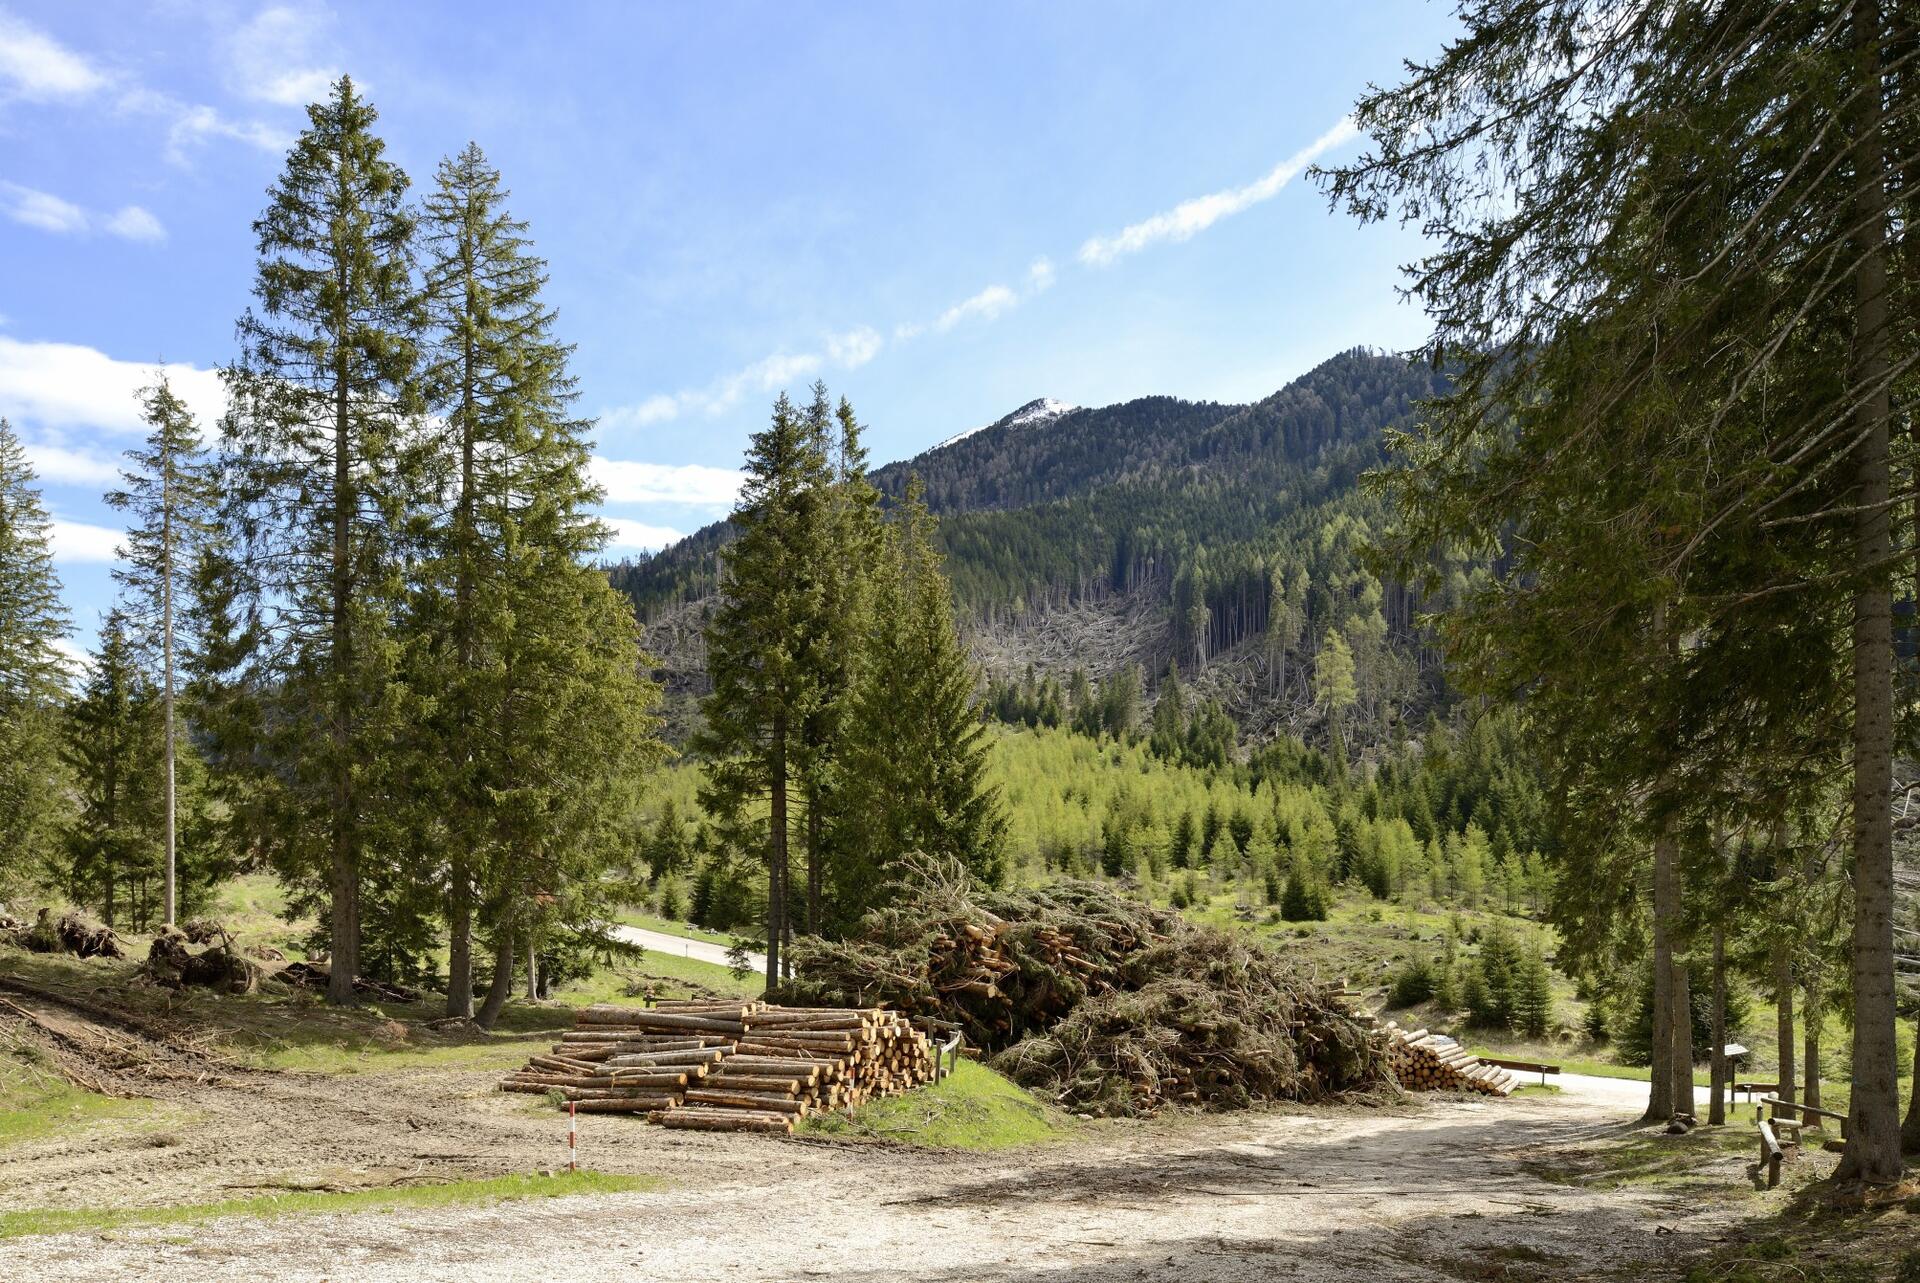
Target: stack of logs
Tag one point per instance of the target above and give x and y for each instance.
(1424, 1061)
(729, 1066)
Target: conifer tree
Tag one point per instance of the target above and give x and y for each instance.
(541, 719)
(916, 759)
(32, 671)
(1334, 689)
(759, 641)
(849, 546)
(169, 497)
(105, 751)
(324, 407)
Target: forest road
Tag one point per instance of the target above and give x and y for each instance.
(681, 947)
(1435, 1192)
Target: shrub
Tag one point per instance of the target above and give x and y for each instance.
(1414, 982)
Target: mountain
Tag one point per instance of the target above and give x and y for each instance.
(1033, 414)
(1151, 532)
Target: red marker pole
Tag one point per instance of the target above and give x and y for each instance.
(573, 1141)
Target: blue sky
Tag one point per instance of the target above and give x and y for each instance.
(944, 211)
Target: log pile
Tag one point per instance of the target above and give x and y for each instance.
(1424, 1061)
(1110, 1005)
(729, 1065)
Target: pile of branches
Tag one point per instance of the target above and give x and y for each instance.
(1111, 1005)
(172, 963)
(68, 933)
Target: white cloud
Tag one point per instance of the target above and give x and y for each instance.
(76, 541)
(51, 213)
(271, 57)
(765, 375)
(985, 305)
(1039, 274)
(61, 385)
(65, 466)
(43, 210)
(1191, 217)
(191, 125)
(638, 535)
(136, 224)
(854, 348)
(631, 481)
(38, 67)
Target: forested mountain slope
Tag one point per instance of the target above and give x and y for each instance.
(1224, 538)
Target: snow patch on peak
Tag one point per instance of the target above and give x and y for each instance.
(1033, 414)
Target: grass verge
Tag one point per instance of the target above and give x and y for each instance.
(315, 1202)
(973, 1108)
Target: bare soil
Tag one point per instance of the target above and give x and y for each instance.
(1444, 1190)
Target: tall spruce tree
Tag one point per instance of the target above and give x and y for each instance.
(917, 748)
(759, 654)
(1662, 235)
(541, 718)
(33, 672)
(849, 546)
(322, 439)
(169, 498)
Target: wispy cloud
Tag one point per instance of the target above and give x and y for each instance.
(43, 210)
(855, 348)
(985, 305)
(62, 465)
(638, 536)
(1039, 275)
(50, 213)
(68, 385)
(1191, 217)
(631, 481)
(35, 66)
(768, 374)
(271, 57)
(76, 542)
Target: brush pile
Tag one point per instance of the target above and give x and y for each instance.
(729, 1065)
(69, 933)
(1112, 1006)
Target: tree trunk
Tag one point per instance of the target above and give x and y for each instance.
(502, 985)
(1812, 1013)
(816, 871)
(1783, 999)
(777, 851)
(1660, 1100)
(1717, 1057)
(533, 968)
(1682, 1066)
(166, 652)
(460, 942)
(343, 884)
(1873, 1130)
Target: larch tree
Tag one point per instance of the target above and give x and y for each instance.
(1334, 689)
(33, 671)
(168, 495)
(759, 643)
(542, 718)
(322, 440)
(1662, 235)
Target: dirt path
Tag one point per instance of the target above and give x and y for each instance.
(1447, 1191)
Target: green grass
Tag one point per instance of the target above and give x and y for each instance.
(314, 1202)
(1648, 1158)
(973, 1108)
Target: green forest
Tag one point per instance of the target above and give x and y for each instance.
(1589, 625)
